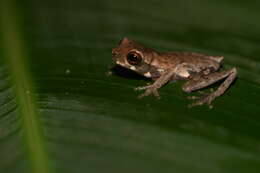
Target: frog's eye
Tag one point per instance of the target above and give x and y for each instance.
(134, 58)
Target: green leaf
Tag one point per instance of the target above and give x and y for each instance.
(60, 112)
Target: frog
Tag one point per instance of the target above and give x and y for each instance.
(196, 69)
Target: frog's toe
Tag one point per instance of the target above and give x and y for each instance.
(193, 97)
(150, 91)
(109, 73)
(146, 93)
(142, 87)
(156, 94)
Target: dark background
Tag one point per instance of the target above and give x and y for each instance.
(95, 123)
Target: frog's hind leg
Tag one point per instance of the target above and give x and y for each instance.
(205, 80)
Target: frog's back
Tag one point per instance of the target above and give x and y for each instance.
(196, 60)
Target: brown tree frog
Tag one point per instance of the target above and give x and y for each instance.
(197, 69)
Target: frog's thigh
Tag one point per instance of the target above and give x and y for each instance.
(204, 81)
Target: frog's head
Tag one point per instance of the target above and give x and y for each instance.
(134, 56)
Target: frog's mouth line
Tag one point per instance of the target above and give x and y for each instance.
(119, 63)
(126, 66)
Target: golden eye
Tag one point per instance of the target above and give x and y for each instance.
(134, 58)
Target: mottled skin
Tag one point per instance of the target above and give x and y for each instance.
(199, 70)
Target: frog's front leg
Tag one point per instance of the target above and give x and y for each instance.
(152, 89)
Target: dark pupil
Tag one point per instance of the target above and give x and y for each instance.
(134, 58)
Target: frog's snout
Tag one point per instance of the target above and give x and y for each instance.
(115, 54)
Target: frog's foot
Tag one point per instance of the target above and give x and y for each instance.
(202, 94)
(149, 89)
(203, 100)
